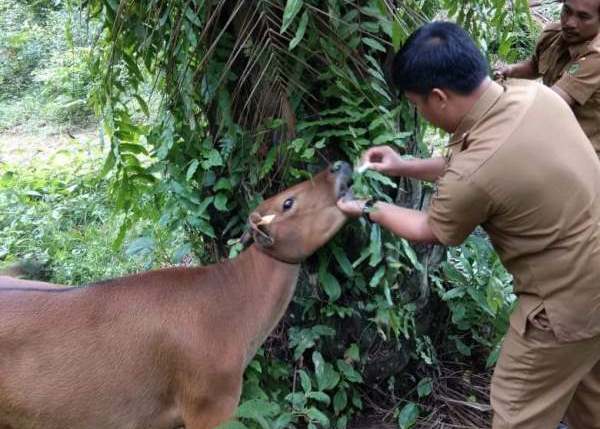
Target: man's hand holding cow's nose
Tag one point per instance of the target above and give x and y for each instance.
(351, 207)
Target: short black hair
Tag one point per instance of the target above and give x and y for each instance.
(439, 55)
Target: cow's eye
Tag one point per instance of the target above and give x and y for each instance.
(288, 204)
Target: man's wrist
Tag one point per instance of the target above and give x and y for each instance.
(368, 209)
(399, 169)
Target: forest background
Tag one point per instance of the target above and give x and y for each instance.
(137, 135)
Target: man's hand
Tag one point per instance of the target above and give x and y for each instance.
(383, 159)
(502, 72)
(524, 70)
(351, 207)
(406, 223)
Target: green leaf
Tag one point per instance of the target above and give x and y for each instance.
(373, 44)
(189, 14)
(268, 163)
(300, 31)
(297, 400)
(132, 148)
(305, 381)
(493, 357)
(342, 422)
(411, 254)
(234, 424)
(140, 245)
(388, 295)
(212, 159)
(353, 353)
(203, 226)
(181, 252)
(221, 202)
(375, 246)
(203, 206)
(327, 377)
(331, 285)
(318, 416)
(425, 387)
(258, 410)
(458, 292)
(223, 184)
(408, 416)
(192, 169)
(377, 277)
(462, 347)
(292, 8)
(342, 260)
(283, 421)
(396, 35)
(458, 313)
(319, 396)
(340, 401)
(349, 372)
(142, 104)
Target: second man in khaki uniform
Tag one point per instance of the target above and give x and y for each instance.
(567, 58)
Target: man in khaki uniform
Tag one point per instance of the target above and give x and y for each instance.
(507, 169)
(567, 57)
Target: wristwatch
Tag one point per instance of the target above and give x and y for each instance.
(366, 211)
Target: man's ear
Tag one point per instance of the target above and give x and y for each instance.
(439, 96)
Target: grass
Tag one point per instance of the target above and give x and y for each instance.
(56, 211)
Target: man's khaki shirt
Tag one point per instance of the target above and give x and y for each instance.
(576, 70)
(508, 170)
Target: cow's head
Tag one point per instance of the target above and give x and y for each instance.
(294, 223)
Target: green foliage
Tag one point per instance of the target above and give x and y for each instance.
(478, 292)
(44, 77)
(507, 31)
(58, 214)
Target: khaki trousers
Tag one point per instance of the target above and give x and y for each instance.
(538, 381)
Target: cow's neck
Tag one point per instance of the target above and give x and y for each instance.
(264, 289)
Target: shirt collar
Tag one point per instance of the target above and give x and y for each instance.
(487, 100)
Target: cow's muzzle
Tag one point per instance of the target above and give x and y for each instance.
(343, 179)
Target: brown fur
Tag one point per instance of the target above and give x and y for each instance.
(162, 349)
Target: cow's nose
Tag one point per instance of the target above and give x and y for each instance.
(343, 178)
(341, 168)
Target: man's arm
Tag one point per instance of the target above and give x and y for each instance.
(423, 169)
(387, 161)
(523, 70)
(410, 224)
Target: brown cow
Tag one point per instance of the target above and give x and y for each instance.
(163, 349)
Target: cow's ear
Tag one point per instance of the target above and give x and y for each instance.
(259, 229)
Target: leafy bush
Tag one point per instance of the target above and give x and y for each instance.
(478, 291)
(59, 215)
(45, 76)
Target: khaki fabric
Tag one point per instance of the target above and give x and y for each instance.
(538, 380)
(576, 70)
(520, 166)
